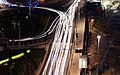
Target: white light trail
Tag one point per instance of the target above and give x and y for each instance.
(59, 53)
(61, 45)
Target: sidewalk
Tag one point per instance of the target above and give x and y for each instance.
(80, 25)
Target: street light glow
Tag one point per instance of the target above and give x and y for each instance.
(98, 36)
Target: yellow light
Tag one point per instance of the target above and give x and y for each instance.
(42, 1)
(14, 57)
(28, 51)
(2, 61)
(18, 56)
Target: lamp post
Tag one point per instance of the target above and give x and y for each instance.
(19, 33)
(18, 23)
(98, 38)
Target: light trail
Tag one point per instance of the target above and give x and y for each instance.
(57, 62)
(49, 31)
(51, 28)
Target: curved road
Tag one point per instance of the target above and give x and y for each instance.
(58, 60)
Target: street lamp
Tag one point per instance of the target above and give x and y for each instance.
(19, 33)
(98, 37)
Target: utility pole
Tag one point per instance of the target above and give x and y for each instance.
(19, 32)
(98, 37)
(18, 23)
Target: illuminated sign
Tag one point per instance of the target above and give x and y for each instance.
(83, 62)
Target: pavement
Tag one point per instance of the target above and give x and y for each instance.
(80, 25)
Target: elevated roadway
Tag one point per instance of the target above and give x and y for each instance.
(60, 53)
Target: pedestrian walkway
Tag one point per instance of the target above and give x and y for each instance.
(80, 25)
(75, 70)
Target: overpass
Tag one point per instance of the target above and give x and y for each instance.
(61, 49)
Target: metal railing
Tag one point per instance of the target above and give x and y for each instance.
(29, 43)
